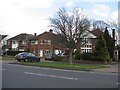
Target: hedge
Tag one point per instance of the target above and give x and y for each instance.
(58, 58)
(13, 53)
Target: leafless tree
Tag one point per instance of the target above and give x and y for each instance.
(116, 25)
(70, 26)
(99, 24)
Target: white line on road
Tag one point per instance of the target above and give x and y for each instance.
(51, 76)
(118, 83)
(3, 69)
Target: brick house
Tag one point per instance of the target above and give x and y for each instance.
(19, 42)
(44, 43)
(89, 41)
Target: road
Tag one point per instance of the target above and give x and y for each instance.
(19, 76)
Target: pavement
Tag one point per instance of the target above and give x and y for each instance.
(114, 67)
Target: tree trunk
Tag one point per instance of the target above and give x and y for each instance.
(70, 56)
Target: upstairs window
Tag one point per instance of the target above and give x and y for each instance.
(23, 42)
(49, 42)
(41, 42)
(14, 42)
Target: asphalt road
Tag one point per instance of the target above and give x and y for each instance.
(19, 76)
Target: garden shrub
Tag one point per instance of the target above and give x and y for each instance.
(13, 53)
(58, 58)
(77, 55)
(86, 56)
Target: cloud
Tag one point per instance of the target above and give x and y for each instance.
(69, 4)
(101, 10)
(14, 18)
(33, 3)
(114, 15)
(90, 0)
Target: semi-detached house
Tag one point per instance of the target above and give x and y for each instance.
(19, 42)
(44, 43)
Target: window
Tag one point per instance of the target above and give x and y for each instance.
(41, 42)
(86, 50)
(47, 51)
(34, 42)
(23, 42)
(49, 42)
(45, 41)
(14, 42)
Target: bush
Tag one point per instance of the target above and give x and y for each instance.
(58, 58)
(101, 59)
(13, 53)
(86, 56)
(77, 55)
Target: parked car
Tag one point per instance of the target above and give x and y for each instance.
(50, 56)
(27, 57)
(61, 54)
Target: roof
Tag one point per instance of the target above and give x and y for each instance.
(50, 34)
(97, 32)
(3, 36)
(22, 36)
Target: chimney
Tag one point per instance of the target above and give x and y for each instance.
(35, 34)
(113, 33)
(51, 30)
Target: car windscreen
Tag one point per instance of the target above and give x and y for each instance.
(30, 54)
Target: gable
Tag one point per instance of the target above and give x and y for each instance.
(88, 34)
(46, 35)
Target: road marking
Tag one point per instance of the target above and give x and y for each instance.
(51, 76)
(3, 69)
(118, 83)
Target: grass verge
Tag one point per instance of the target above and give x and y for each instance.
(85, 67)
(5, 58)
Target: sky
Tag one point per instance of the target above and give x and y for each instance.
(32, 16)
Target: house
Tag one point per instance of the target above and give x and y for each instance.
(89, 41)
(44, 43)
(3, 43)
(20, 42)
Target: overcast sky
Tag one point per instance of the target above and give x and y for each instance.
(32, 16)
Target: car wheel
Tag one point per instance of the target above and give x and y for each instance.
(18, 60)
(38, 60)
(26, 60)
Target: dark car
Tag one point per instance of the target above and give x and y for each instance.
(27, 57)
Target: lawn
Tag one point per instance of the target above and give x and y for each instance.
(63, 65)
(6, 58)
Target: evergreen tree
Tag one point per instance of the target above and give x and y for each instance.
(101, 50)
(109, 43)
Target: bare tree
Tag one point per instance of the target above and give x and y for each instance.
(99, 24)
(70, 27)
(116, 26)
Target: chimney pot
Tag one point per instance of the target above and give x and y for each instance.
(35, 34)
(113, 33)
(51, 30)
